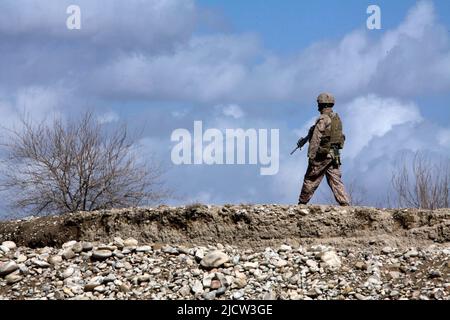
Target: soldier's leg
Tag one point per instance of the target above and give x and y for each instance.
(313, 177)
(334, 180)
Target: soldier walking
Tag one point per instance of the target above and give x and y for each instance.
(325, 140)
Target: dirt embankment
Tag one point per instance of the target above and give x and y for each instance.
(241, 225)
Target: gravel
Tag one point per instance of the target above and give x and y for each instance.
(223, 272)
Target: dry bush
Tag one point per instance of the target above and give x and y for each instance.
(76, 165)
(422, 183)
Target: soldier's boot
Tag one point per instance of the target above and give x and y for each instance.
(337, 186)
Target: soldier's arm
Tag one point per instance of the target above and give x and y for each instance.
(310, 132)
(317, 133)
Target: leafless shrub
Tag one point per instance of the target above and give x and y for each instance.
(76, 165)
(423, 183)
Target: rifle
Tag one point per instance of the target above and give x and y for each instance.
(300, 144)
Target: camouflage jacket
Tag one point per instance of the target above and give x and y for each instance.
(316, 133)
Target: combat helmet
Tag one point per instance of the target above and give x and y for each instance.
(325, 98)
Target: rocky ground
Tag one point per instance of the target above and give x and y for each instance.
(229, 252)
(126, 269)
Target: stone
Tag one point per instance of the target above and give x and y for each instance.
(93, 283)
(411, 253)
(100, 288)
(214, 259)
(199, 254)
(41, 263)
(270, 295)
(184, 291)
(87, 246)
(394, 275)
(144, 278)
(21, 258)
(240, 281)
(284, 248)
(13, 278)
(221, 290)
(118, 242)
(238, 295)
(207, 279)
(68, 272)
(101, 254)
(7, 268)
(68, 254)
(124, 288)
(170, 250)
(54, 260)
(331, 259)
(278, 263)
(157, 246)
(360, 296)
(4, 249)
(215, 284)
(110, 278)
(394, 293)
(144, 249)
(118, 254)
(387, 250)
(250, 265)
(209, 295)
(434, 274)
(130, 242)
(197, 287)
(77, 247)
(106, 247)
(361, 265)
(156, 271)
(9, 244)
(68, 244)
(312, 264)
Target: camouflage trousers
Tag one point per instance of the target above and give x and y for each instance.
(314, 175)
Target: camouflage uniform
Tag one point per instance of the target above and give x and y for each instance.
(322, 165)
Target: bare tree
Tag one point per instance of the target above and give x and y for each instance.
(423, 183)
(76, 165)
(357, 193)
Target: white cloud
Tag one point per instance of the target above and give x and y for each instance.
(368, 117)
(444, 137)
(233, 110)
(34, 103)
(156, 56)
(108, 117)
(130, 24)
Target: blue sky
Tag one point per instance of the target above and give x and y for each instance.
(161, 64)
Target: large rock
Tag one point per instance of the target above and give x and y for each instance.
(4, 249)
(9, 244)
(13, 278)
(68, 254)
(54, 260)
(130, 242)
(331, 259)
(214, 259)
(101, 254)
(41, 263)
(7, 268)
